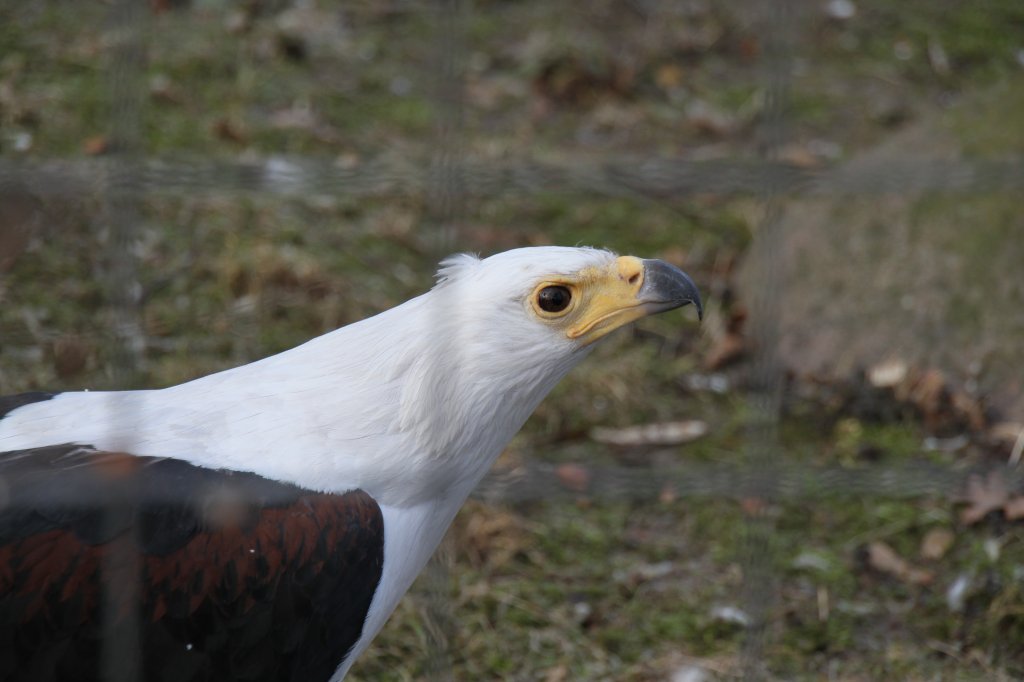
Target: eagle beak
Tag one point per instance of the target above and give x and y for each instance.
(629, 290)
(667, 287)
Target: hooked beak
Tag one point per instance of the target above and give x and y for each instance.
(667, 287)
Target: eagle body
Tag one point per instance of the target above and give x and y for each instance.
(271, 516)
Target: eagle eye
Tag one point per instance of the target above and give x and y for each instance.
(554, 299)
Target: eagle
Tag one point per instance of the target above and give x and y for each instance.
(263, 522)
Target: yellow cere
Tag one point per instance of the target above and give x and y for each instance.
(603, 299)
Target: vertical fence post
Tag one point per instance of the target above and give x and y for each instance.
(121, 656)
(445, 210)
(766, 253)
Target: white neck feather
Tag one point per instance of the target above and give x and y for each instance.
(411, 405)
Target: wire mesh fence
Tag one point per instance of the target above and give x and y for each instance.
(450, 174)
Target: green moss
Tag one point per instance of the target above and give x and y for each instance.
(978, 38)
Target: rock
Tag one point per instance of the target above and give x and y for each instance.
(888, 374)
(881, 273)
(956, 595)
(840, 10)
(690, 673)
(731, 614)
(664, 433)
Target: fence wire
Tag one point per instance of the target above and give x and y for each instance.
(653, 177)
(762, 445)
(121, 589)
(446, 208)
(447, 175)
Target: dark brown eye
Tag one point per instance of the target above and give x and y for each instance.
(554, 299)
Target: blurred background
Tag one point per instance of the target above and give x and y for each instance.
(819, 482)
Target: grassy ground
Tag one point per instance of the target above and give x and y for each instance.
(568, 588)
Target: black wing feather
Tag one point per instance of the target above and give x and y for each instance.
(241, 577)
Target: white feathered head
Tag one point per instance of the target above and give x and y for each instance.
(499, 332)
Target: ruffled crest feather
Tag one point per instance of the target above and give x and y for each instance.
(452, 267)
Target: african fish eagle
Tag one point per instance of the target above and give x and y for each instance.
(275, 513)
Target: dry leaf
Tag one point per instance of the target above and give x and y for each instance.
(729, 349)
(490, 535)
(676, 255)
(929, 391)
(1014, 509)
(668, 76)
(1006, 432)
(557, 674)
(799, 156)
(969, 411)
(161, 88)
(573, 81)
(575, 477)
(96, 145)
(70, 355)
(983, 496)
(708, 119)
(753, 506)
(229, 130)
(1009, 435)
(884, 559)
(936, 543)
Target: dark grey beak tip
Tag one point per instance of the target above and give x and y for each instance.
(667, 284)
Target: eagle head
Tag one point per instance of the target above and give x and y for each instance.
(496, 335)
(558, 297)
